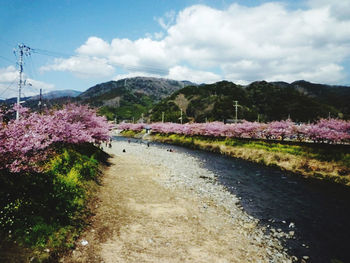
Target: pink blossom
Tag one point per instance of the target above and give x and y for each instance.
(331, 131)
(25, 142)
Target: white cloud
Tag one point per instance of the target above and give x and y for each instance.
(177, 73)
(8, 84)
(159, 35)
(239, 43)
(323, 74)
(37, 85)
(261, 42)
(197, 76)
(85, 67)
(8, 75)
(142, 54)
(339, 9)
(94, 46)
(167, 20)
(135, 74)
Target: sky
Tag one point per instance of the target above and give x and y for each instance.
(77, 44)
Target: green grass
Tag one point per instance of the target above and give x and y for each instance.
(321, 152)
(321, 161)
(132, 134)
(41, 211)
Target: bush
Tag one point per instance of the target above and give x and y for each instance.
(43, 210)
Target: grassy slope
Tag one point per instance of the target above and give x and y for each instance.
(329, 162)
(44, 213)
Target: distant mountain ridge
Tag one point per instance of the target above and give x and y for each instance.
(336, 95)
(266, 101)
(56, 94)
(301, 100)
(130, 98)
(155, 87)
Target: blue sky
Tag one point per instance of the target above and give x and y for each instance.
(82, 43)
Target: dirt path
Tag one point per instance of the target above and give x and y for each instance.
(139, 220)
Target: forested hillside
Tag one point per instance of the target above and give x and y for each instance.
(129, 98)
(301, 101)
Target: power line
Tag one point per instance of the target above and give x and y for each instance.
(50, 53)
(7, 88)
(5, 42)
(55, 54)
(32, 67)
(147, 68)
(4, 58)
(23, 50)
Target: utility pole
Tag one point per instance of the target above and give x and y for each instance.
(163, 117)
(236, 110)
(181, 117)
(22, 50)
(142, 117)
(40, 100)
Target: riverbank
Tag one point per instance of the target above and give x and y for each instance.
(321, 161)
(161, 206)
(42, 214)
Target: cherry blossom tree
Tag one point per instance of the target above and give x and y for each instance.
(279, 129)
(25, 142)
(325, 130)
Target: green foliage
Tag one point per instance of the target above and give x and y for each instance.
(43, 210)
(129, 133)
(322, 152)
(271, 101)
(276, 102)
(109, 112)
(172, 112)
(132, 105)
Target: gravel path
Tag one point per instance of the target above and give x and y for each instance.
(161, 206)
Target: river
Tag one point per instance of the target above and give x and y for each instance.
(318, 212)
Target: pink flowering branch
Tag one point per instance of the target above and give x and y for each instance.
(325, 130)
(26, 142)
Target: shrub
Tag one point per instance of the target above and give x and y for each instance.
(40, 209)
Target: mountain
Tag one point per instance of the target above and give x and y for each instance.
(337, 96)
(302, 101)
(153, 87)
(52, 95)
(57, 94)
(13, 100)
(130, 98)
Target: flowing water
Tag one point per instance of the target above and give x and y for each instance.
(317, 211)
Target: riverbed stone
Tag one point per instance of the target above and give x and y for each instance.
(181, 170)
